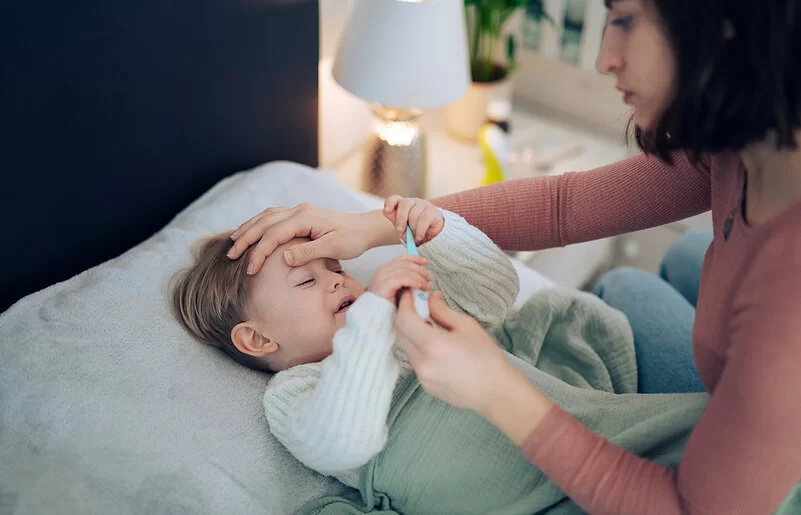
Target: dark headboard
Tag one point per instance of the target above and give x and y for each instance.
(116, 114)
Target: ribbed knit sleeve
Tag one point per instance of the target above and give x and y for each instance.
(474, 275)
(551, 211)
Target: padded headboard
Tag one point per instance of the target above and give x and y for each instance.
(115, 115)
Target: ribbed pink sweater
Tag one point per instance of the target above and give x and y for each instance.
(744, 455)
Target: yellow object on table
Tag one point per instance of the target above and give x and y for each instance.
(493, 142)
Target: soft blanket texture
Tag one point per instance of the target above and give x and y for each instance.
(580, 352)
(107, 406)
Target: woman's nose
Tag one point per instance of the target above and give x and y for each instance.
(609, 59)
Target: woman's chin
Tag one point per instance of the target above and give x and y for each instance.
(641, 120)
(645, 119)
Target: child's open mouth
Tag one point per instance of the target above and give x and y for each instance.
(346, 303)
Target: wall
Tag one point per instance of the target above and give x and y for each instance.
(344, 118)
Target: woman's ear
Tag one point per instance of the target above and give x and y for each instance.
(249, 340)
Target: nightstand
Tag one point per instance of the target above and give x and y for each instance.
(455, 165)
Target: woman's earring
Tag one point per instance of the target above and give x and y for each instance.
(728, 30)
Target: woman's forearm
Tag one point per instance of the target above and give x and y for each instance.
(551, 211)
(517, 408)
(576, 459)
(379, 229)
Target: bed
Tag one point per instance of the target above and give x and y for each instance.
(139, 128)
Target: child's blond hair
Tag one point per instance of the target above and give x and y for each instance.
(212, 296)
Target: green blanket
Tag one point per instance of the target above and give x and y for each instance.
(580, 353)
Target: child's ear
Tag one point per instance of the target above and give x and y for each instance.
(249, 340)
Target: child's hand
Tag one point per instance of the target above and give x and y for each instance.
(424, 218)
(401, 272)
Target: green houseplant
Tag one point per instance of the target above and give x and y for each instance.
(485, 23)
(492, 60)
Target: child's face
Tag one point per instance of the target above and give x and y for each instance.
(299, 307)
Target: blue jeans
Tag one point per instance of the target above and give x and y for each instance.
(661, 311)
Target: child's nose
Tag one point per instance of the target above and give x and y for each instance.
(336, 282)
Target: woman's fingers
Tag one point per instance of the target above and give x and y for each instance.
(412, 330)
(413, 350)
(270, 232)
(264, 248)
(270, 215)
(302, 253)
(444, 316)
(252, 231)
(244, 226)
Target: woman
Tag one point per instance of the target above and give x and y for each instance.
(716, 94)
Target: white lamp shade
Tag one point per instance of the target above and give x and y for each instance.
(404, 54)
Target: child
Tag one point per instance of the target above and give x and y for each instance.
(330, 341)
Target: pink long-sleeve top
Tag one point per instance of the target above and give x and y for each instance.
(744, 455)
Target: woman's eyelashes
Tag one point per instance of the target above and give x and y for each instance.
(623, 22)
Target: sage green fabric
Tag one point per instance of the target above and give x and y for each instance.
(580, 353)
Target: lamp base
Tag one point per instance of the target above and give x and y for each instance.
(395, 160)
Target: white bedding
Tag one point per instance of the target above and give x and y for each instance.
(107, 406)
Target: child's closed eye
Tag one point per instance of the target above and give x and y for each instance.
(310, 281)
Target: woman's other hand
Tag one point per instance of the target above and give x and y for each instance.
(334, 234)
(463, 366)
(460, 364)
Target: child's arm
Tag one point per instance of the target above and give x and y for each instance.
(332, 415)
(474, 275)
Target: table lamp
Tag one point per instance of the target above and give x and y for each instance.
(402, 56)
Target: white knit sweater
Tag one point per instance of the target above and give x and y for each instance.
(332, 415)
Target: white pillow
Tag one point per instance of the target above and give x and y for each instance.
(109, 407)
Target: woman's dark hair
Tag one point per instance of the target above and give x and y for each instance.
(738, 75)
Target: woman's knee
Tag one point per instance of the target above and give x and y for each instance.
(682, 264)
(623, 283)
(688, 251)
